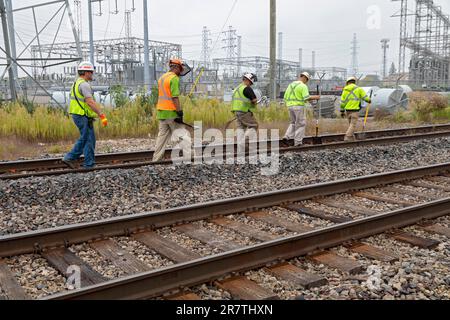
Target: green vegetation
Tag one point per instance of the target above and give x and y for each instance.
(424, 107)
(135, 119)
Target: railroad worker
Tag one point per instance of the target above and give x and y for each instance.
(169, 110)
(243, 106)
(84, 110)
(351, 99)
(296, 97)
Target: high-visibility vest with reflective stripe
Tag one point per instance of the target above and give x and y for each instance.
(352, 97)
(290, 96)
(80, 107)
(240, 102)
(165, 102)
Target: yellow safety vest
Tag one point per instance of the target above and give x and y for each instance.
(78, 105)
(240, 102)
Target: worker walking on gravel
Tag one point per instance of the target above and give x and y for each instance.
(351, 99)
(244, 104)
(169, 111)
(296, 97)
(84, 110)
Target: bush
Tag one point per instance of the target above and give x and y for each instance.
(119, 96)
(424, 104)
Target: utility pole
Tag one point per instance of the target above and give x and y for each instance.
(91, 33)
(300, 59)
(313, 62)
(12, 35)
(384, 46)
(273, 49)
(9, 61)
(146, 49)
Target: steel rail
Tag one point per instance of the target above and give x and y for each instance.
(154, 283)
(132, 165)
(36, 241)
(56, 163)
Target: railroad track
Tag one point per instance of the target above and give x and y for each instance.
(229, 237)
(54, 166)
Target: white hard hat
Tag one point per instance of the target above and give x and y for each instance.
(306, 75)
(251, 77)
(86, 66)
(352, 79)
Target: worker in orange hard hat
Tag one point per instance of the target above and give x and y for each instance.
(169, 111)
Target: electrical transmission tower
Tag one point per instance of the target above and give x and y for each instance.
(429, 43)
(206, 43)
(58, 11)
(78, 18)
(354, 63)
(230, 39)
(239, 53)
(403, 14)
(384, 46)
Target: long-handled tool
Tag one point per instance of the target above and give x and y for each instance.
(190, 126)
(363, 133)
(317, 139)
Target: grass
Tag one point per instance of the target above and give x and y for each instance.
(23, 127)
(424, 107)
(131, 121)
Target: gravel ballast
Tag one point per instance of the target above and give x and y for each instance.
(46, 202)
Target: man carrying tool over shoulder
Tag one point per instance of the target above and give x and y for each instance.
(351, 105)
(243, 105)
(84, 110)
(296, 96)
(169, 111)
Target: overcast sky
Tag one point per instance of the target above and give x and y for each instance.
(326, 26)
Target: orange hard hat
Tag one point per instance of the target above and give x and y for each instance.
(177, 62)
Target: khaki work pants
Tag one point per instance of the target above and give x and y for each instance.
(353, 118)
(297, 128)
(166, 131)
(246, 121)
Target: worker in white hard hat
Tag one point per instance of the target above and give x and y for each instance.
(169, 109)
(244, 104)
(351, 99)
(84, 110)
(296, 97)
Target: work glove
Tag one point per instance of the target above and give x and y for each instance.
(103, 120)
(179, 119)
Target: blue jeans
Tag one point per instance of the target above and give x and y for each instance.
(86, 144)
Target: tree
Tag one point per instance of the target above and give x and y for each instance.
(392, 70)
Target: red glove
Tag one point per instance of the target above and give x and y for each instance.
(103, 120)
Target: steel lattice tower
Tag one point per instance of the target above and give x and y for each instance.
(384, 46)
(354, 63)
(206, 42)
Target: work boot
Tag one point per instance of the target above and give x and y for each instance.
(70, 163)
(287, 142)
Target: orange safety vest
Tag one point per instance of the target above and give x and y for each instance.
(165, 101)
